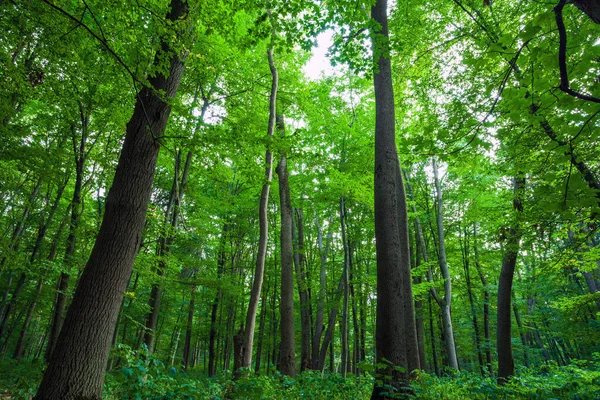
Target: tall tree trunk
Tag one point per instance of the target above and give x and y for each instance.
(446, 303)
(263, 223)
(395, 336)
(78, 363)
(287, 353)
(506, 367)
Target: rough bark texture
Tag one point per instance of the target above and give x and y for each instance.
(590, 7)
(506, 367)
(77, 365)
(287, 357)
(263, 224)
(395, 337)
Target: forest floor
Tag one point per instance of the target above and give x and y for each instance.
(151, 379)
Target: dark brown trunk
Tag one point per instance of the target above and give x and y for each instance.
(395, 336)
(78, 363)
(506, 367)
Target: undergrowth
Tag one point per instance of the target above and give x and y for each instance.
(147, 378)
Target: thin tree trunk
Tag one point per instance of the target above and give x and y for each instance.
(263, 223)
(303, 293)
(212, 364)
(465, 251)
(344, 321)
(171, 220)
(69, 260)
(77, 366)
(446, 304)
(188, 329)
(261, 333)
(486, 305)
(319, 325)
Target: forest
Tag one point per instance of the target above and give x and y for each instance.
(299, 199)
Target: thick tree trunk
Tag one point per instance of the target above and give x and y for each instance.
(395, 337)
(263, 223)
(77, 365)
(506, 367)
(287, 354)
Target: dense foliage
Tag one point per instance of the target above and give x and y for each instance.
(496, 118)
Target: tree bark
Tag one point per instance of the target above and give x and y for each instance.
(506, 367)
(263, 223)
(446, 303)
(395, 337)
(77, 366)
(287, 356)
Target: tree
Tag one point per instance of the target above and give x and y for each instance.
(396, 338)
(78, 372)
